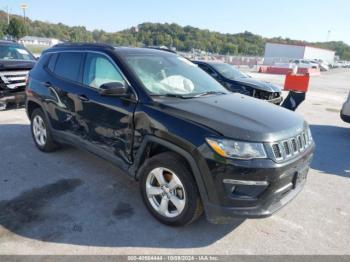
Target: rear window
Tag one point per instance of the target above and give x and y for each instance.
(68, 65)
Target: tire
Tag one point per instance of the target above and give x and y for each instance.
(41, 133)
(175, 201)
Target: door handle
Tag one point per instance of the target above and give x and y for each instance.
(83, 98)
(47, 84)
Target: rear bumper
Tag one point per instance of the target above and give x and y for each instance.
(268, 187)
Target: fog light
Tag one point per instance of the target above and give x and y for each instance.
(245, 182)
(241, 189)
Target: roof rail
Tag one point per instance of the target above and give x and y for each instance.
(161, 49)
(82, 44)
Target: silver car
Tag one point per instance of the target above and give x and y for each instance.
(345, 112)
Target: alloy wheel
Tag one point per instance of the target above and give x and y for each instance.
(39, 131)
(165, 192)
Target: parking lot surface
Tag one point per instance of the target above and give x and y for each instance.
(71, 202)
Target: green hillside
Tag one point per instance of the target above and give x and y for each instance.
(182, 38)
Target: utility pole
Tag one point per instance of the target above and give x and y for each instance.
(329, 35)
(24, 7)
(8, 15)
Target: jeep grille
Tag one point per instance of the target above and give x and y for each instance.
(290, 148)
(13, 80)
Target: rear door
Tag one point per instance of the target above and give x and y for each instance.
(64, 91)
(106, 121)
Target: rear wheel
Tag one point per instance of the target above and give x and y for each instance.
(41, 133)
(169, 190)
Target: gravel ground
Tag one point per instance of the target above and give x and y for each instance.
(71, 202)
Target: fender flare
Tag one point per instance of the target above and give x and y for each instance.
(136, 167)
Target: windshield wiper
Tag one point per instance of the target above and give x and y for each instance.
(173, 95)
(210, 93)
(191, 96)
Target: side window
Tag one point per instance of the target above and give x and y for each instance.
(100, 70)
(52, 62)
(68, 65)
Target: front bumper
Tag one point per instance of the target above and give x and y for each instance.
(15, 97)
(345, 112)
(345, 118)
(277, 185)
(276, 101)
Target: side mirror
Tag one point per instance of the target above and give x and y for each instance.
(113, 89)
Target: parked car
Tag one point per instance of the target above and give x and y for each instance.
(239, 82)
(345, 112)
(321, 64)
(341, 64)
(304, 63)
(15, 63)
(191, 144)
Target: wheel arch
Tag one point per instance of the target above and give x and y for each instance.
(31, 106)
(165, 146)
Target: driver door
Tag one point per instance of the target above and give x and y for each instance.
(107, 121)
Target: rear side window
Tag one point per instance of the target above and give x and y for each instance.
(68, 65)
(52, 62)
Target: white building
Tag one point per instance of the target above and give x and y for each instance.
(283, 53)
(39, 41)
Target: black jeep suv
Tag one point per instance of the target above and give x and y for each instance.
(237, 81)
(15, 62)
(192, 144)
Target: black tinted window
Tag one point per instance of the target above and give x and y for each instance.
(52, 62)
(68, 65)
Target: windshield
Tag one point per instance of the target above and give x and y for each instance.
(14, 52)
(165, 74)
(228, 71)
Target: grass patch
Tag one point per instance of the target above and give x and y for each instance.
(36, 49)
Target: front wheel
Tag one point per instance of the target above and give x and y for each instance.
(169, 191)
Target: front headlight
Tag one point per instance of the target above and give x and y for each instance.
(237, 149)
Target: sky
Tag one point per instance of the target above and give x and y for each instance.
(310, 20)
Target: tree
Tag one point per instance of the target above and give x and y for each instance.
(3, 29)
(16, 28)
(183, 38)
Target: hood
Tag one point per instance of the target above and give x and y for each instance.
(16, 65)
(238, 116)
(258, 84)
